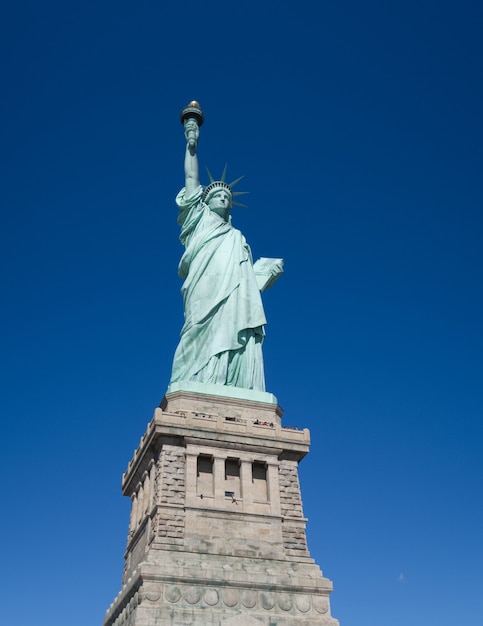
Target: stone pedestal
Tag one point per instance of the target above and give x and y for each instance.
(217, 533)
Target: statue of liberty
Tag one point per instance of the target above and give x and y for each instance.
(221, 339)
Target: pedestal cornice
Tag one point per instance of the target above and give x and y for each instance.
(219, 420)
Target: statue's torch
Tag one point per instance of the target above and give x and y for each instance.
(192, 112)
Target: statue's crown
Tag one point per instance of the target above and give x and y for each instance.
(216, 185)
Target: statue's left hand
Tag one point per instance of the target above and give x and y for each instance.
(267, 271)
(277, 269)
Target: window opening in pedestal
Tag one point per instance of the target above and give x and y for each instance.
(259, 481)
(204, 476)
(232, 477)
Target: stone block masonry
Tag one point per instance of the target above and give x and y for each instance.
(217, 532)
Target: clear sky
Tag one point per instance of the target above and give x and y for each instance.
(358, 127)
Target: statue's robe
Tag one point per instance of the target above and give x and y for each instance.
(223, 331)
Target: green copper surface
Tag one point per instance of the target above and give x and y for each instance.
(221, 340)
(223, 391)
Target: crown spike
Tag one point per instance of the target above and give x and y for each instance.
(224, 173)
(235, 182)
(239, 193)
(212, 180)
(239, 204)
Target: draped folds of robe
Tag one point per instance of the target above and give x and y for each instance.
(223, 330)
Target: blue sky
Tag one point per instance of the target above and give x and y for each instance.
(358, 128)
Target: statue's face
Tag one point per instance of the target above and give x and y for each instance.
(220, 203)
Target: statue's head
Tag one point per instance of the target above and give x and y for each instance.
(218, 195)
